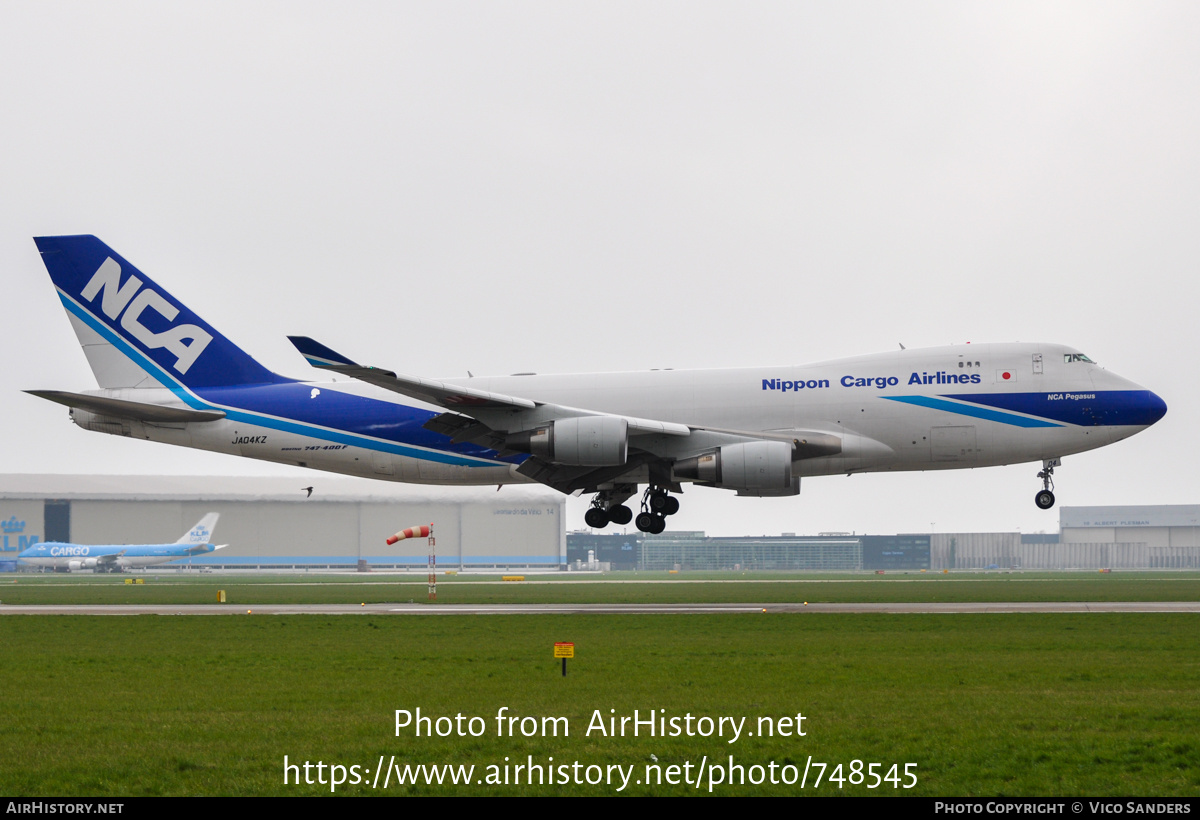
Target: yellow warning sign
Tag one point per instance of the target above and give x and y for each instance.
(564, 650)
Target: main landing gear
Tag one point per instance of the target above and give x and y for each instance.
(608, 506)
(1045, 498)
(656, 505)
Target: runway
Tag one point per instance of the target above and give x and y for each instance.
(992, 608)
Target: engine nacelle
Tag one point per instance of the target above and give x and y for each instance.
(586, 441)
(81, 563)
(755, 465)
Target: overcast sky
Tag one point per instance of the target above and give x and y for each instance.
(567, 187)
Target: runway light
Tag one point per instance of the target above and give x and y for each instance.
(247, 612)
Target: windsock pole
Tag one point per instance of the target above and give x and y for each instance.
(432, 565)
(422, 532)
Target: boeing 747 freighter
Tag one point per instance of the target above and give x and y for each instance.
(166, 375)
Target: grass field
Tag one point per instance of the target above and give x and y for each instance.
(1016, 704)
(181, 588)
(984, 705)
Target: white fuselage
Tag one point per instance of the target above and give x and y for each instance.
(940, 408)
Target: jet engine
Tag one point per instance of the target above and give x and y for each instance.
(586, 441)
(755, 465)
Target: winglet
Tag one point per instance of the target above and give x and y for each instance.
(318, 355)
(325, 358)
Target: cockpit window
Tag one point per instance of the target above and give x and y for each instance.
(1076, 357)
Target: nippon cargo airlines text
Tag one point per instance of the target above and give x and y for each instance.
(878, 382)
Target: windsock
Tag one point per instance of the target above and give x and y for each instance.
(412, 532)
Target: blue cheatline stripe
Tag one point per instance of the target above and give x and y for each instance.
(270, 422)
(972, 410)
(1085, 408)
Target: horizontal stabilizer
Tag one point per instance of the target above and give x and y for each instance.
(119, 408)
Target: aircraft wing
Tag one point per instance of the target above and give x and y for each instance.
(510, 424)
(139, 411)
(434, 392)
(111, 558)
(466, 400)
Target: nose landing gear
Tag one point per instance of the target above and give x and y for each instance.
(1045, 498)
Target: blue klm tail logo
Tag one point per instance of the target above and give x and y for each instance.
(12, 527)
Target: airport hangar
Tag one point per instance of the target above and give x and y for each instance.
(271, 523)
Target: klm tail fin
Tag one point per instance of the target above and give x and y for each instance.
(201, 534)
(134, 333)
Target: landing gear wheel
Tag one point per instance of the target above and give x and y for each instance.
(660, 503)
(1045, 499)
(620, 514)
(645, 521)
(596, 518)
(657, 525)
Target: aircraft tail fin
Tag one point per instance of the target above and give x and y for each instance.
(133, 332)
(201, 534)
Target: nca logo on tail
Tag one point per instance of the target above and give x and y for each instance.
(134, 300)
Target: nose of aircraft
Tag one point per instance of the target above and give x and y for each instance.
(1152, 407)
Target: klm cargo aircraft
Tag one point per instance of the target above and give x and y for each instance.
(114, 558)
(166, 375)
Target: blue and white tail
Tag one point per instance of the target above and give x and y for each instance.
(133, 332)
(201, 534)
